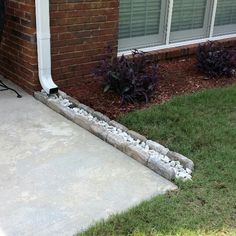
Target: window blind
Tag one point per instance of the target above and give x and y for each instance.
(143, 23)
(226, 12)
(188, 14)
(139, 18)
(190, 20)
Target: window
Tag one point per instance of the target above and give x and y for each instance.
(148, 23)
(225, 21)
(141, 23)
(189, 20)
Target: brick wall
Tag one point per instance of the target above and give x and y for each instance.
(80, 32)
(18, 57)
(185, 51)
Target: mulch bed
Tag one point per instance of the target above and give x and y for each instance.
(177, 77)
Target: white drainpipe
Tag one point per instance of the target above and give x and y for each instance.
(44, 46)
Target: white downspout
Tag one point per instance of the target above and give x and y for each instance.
(44, 46)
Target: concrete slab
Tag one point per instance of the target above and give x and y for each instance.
(56, 178)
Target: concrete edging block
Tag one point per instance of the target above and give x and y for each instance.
(84, 107)
(82, 122)
(186, 162)
(99, 132)
(137, 135)
(41, 97)
(147, 152)
(161, 169)
(137, 154)
(74, 101)
(117, 142)
(118, 125)
(157, 147)
(63, 94)
(100, 116)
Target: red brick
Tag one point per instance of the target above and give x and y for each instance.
(18, 60)
(81, 31)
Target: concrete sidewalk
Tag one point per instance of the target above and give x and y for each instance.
(56, 178)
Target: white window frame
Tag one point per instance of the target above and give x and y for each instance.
(219, 30)
(150, 40)
(168, 44)
(177, 36)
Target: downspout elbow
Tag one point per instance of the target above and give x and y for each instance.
(47, 83)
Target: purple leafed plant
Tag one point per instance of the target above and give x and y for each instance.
(133, 78)
(215, 61)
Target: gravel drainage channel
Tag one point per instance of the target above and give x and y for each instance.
(169, 164)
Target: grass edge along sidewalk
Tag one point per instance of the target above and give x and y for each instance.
(203, 127)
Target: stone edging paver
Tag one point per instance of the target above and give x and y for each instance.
(160, 159)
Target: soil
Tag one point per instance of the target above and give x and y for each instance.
(177, 77)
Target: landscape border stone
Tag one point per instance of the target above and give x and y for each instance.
(137, 154)
(117, 142)
(98, 131)
(137, 135)
(160, 168)
(155, 156)
(118, 125)
(187, 163)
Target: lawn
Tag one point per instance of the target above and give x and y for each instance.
(201, 126)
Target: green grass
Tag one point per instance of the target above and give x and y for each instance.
(201, 126)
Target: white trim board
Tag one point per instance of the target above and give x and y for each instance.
(173, 45)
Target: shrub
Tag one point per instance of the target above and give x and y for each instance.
(215, 61)
(133, 78)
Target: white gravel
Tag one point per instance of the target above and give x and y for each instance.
(180, 171)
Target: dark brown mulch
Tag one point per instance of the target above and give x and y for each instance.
(177, 77)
